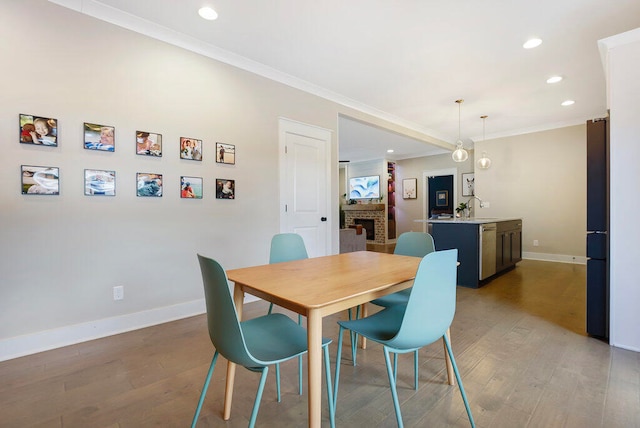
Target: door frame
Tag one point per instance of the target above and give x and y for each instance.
(285, 126)
(425, 189)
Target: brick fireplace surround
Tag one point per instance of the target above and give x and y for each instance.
(367, 211)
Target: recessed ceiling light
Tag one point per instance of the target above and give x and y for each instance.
(208, 13)
(532, 43)
(567, 103)
(390, 151)
(554, 79)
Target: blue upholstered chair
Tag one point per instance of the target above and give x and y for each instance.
(254, 344)
(424, 319)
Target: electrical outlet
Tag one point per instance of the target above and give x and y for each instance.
(118, 292)
(486, 204)
(535, 243)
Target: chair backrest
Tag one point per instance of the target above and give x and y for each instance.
(416, 244)
(222, 319)
(432, 302)
(286, 247)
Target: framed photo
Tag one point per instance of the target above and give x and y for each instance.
(409, 188)
(190, 187)
(38, 130)
(225, 188)
(99, 137)
(40, 180)
(225, 153)
(442, 198)
(148, 184)
(468, 185)
(190, 149)
(98, 182)
(148, 143)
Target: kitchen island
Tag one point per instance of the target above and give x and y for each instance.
(486, 246)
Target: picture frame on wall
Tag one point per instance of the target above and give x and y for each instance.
(99, 182)
(148, 184)
(40, 180)
(190, 149)
(442, 198)
(190, 187)
(225, 153)
(99, 137)
(468, 184)
(38, 130)
(148, 143)
(225, 188)
(410, 188)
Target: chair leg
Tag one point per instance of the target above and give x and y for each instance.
(327, 372)
(415, 370)
(270, 308)
(278, 381)
(336, 380)
(204, 389)
(392, 386)
(457, 373)
(395, 368)
(256, 404)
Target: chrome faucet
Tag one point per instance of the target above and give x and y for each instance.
(472, 198)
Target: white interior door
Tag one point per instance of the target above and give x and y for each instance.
(304, 184)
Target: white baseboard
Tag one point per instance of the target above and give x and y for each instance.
(20, 346)
(560, 258)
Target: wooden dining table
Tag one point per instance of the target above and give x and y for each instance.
(318, 287)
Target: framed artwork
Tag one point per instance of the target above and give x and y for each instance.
(148, 184)
(148, 143)
(38, 130)
(190, 187)
(225, 188)
(190, 149)
(99, 182)
(40, 180)
(442, 198)
(409, 188)
(468, 185)
(99, 137)
(225, 153)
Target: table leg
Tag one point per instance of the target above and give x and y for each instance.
(314, 342)
(450, 375)
(364, 314)
(238, 299)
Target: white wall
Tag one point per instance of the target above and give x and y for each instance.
(60, 256)
(624, 92)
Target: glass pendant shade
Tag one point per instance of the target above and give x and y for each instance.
(459, 154)
(484, 162)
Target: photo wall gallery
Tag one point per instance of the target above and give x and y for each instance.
(45, 180)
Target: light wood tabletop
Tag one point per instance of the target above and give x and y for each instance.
(318, 287)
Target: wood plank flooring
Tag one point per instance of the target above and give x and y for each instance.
(519, 342)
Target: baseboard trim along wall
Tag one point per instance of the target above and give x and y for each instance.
(560, 258)
(28, 344)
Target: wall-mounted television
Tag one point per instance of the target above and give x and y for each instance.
(364, 187)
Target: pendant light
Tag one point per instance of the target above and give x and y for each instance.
(484, 162)
(459, 154)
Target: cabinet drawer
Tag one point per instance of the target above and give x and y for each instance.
(509, 225)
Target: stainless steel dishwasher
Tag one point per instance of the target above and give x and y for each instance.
(487, 250)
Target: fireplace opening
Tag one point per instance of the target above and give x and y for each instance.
(368, 225)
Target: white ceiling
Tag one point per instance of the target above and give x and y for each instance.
(406, 61)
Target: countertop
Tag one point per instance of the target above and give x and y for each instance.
(472, 220)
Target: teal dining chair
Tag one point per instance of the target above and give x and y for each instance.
(406, 328)
(415, 244)
(287, 247)
(254, 344)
